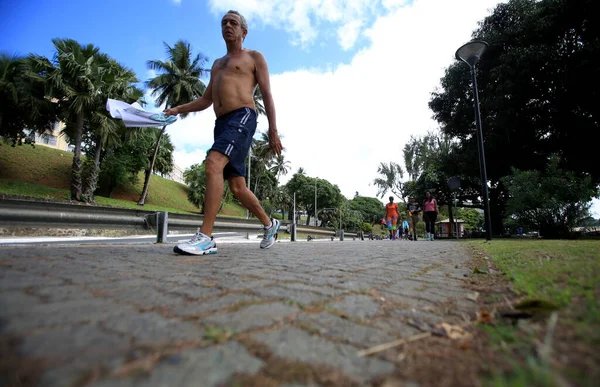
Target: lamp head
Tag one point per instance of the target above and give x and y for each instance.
(471, 52)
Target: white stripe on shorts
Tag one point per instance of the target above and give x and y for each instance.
(228, 149)
(246, 116)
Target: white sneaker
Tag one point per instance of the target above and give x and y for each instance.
(200, 244)
(269, 236)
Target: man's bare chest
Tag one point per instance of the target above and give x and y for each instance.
(236, 65)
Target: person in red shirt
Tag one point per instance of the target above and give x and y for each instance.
(391, 216)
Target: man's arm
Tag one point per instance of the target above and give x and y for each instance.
(262, 77)
(196, 105)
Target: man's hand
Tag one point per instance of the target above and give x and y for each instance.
(275, 142)
(171, 112)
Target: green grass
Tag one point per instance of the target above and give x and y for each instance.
(555, 271)
(556, 274)
(43, 172)
(15, 187)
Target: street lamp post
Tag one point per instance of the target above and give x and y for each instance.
(248, 182)
(470, 53)
(316, 179)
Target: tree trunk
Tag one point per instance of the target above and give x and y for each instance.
(92, 181)
(149, 171)
(225, 193)
(76, 166)
(256, 184)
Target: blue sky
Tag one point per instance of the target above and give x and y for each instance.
(134, 31)
(351, 79)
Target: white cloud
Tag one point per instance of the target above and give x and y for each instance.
(303, 19)
(340, 123)
(348, 33)
(176, 2)
(186, 159)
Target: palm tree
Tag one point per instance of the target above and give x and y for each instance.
(262, 155)
(280, 166)
(119, 84)
(74, 78)
(9, 97)
(23, 102)
(390, 179)
(178, 82)
(258, 102)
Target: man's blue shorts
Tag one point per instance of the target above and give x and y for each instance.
(233, 138)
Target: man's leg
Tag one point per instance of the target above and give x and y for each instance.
(237, 184)
(413, 225)
(215, 163)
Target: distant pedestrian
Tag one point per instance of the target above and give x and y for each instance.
(391, 216)
(430, 213)
(412, 211)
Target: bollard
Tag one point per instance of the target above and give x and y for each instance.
(162, 225)
(293, 233)
(341, 235)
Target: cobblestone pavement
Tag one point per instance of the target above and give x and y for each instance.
(139, 315)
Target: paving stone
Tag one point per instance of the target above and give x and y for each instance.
(94, 295)
(51, 294)
(16, 302)
(294, 344)
(81, 342)
(396, 327)
(213, 304)
(299, 296)
(196, 367)
(357, 306)
(253, 316)
(15, 280)
(405, 314)
(123, 284)
(401, 291)
(62, 313)
(146, 296)
(149, 328)
(191, 291)
(236, 284)
(338, 328)
(192, 279)
(313, 288)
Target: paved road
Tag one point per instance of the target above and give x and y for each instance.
(139, 315)
(91, 240)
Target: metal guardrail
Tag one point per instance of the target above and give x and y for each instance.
(27, 213)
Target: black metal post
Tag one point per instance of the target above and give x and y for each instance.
(482, 169)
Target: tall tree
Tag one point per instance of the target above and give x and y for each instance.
(328, 195)
(118, 84)
(258, 102)
(390, 179)
(553, 201)
(74, 78)
(371, 209)
(532, 102)
(195, 178)
(280, 166)
(178, 82)
(22, 102)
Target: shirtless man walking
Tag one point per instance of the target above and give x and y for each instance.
(231, 90)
